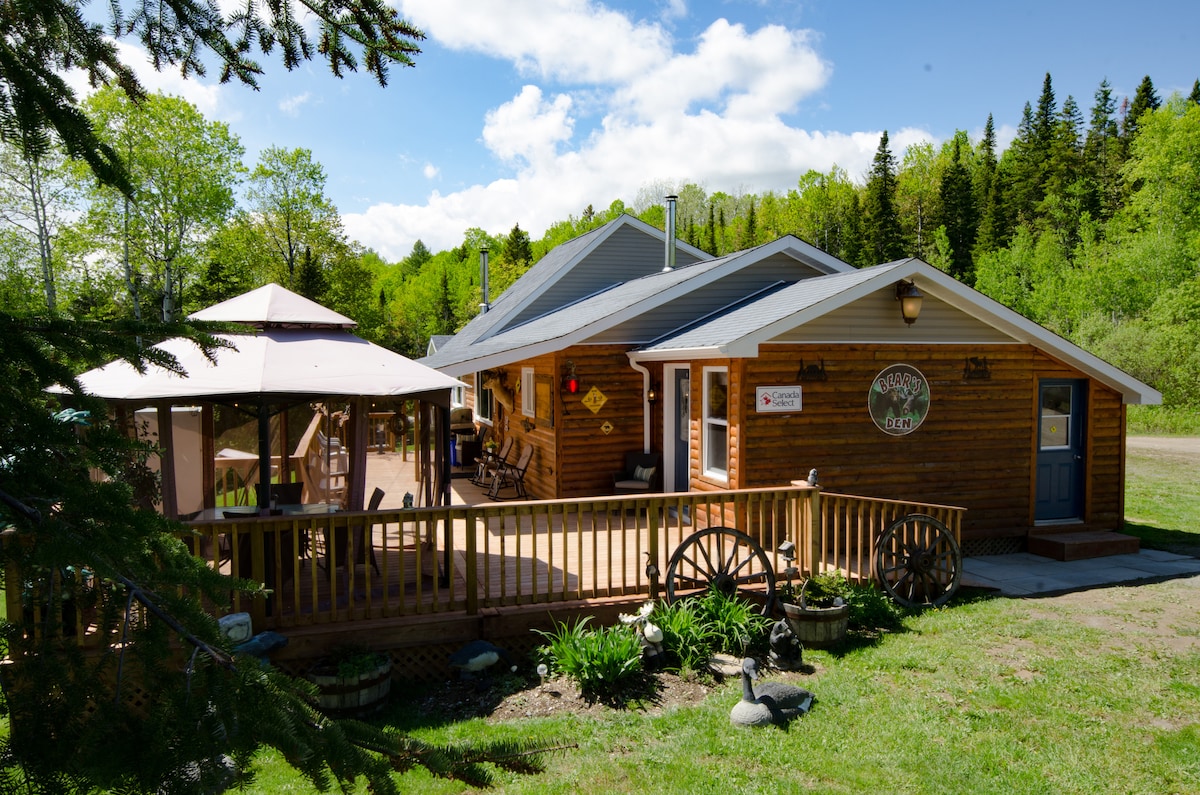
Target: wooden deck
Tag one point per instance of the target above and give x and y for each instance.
(423, 578)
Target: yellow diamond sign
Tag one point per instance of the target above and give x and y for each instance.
(594, 400)
(606, 428)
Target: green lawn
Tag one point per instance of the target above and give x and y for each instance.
(1084, 693)
(1087, 693)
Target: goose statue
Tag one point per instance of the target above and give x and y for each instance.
(762, 709)
(784, 695)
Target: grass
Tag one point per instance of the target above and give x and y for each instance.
(1071, 695)
(1162, 421)
(1093, 694)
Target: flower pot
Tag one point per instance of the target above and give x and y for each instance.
(818, 627)
(359, 694)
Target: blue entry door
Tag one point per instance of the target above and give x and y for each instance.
(1060, 456)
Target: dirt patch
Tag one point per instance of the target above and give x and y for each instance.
(516, 696)
(1187, 447)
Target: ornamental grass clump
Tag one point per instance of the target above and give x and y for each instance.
(603, 662)
(688, 638)
(736, 625)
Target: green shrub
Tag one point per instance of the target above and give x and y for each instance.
(600, 661)
(736, 625)
(871, 608)
(688, 639)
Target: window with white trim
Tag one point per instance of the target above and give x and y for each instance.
(528, 393)
(715, 447)
(483, 401)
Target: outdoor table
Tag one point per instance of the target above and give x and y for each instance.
(243, 466)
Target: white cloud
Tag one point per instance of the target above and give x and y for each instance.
(566, 40)
(711, 115)
(290, 106)
(430, 171)
(528, 128)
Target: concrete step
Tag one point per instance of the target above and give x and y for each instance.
(1082, 545)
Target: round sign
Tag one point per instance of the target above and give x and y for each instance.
(899, 399)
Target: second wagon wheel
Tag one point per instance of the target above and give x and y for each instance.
(918, 562)
(725, 559)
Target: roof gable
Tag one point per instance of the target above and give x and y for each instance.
(641, 309)
(799, 312)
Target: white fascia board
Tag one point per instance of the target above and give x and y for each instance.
(679, 354)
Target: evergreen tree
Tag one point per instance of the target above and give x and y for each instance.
(1102, 155)
(1144, 99)
(958, 215)
(1194, 97)
(988, 234)
(883, 241)
(750, 237)
(1020, 168)
(38, 39)
(517, 250)
(311, 281)
(711, 248)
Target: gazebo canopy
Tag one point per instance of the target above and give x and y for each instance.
(298, 349)
(293, 350)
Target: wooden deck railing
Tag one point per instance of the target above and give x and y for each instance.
(346, 567)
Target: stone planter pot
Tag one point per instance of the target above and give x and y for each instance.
(349, 696)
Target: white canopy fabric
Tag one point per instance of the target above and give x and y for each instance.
(274, 362)
(272, 305)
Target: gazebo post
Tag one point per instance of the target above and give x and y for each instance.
(166, 460)
(264, 458)
(356, 487)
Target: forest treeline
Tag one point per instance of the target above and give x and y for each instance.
(1088, 225)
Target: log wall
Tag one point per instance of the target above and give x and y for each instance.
(976, 448)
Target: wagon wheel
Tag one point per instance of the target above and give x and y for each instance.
(725, 559)
(918, 562)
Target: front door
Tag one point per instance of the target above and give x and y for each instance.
(1060, 461)
(677, 427)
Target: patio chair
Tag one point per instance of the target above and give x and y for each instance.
(640, 475)
(511, 475)
(486, 464)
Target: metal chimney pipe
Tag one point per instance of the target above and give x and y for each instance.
(486, 304)
(670, 263)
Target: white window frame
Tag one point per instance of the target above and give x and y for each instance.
(710, 424)
(484, 410)
(528, 392)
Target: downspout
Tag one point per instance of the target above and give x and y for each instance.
(646, 405)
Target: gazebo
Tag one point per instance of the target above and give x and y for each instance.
(294, 354)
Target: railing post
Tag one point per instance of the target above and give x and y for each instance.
(471, 575)
(653, 509)
(258, 573)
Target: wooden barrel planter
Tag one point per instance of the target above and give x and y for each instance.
(817, 627)
(352, 688)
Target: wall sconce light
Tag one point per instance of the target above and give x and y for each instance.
(910, 301)
(570, 381)
(652, 394)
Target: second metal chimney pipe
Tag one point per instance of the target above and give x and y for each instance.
(670, 263)
(485, 305)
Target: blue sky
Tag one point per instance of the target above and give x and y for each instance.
(527, 111)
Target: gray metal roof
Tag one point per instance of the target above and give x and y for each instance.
(518, 303)
(756, 312)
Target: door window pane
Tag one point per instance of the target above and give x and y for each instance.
(1056, 416)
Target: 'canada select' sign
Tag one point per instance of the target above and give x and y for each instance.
(899, 399)
(777, 399)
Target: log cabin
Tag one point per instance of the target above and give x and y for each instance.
(752, 369)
